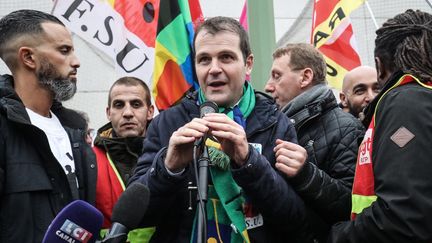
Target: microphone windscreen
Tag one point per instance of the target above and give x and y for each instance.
(131, 206)
(208, 107)
(77, 222)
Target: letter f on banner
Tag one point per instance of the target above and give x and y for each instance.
(333, 36)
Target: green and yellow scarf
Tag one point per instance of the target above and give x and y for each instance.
(225, 217)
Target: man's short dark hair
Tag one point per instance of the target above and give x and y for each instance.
(302, 56)
(217, 24)
(18, 23)
(404, 42)
(131, 81)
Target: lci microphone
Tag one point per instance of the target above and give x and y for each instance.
(78, 222)
(128, 212)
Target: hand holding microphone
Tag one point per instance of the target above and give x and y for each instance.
(180, 147)
(206, 108)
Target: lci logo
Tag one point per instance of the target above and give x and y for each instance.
(72, 233)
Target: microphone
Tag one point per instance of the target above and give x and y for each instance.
(77, 222)
(201, 166)
(205, 108)
(128, 212)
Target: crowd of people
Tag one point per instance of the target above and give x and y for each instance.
(292, 165)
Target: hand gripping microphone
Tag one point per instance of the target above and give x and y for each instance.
(77, 222)
(205, 108)
(128, 212)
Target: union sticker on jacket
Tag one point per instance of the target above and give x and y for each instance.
(402, 136)
(257, 147)
(365, 149)
(253, 218)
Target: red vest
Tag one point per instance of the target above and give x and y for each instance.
(109, 185)
(363, 192)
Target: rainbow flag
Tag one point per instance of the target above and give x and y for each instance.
(332, 34)
(173, 73)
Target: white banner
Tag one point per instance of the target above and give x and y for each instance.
(99, 24)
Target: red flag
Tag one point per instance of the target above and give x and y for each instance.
(333, 35)
(140, 18)
(195, 12)
(243, 17)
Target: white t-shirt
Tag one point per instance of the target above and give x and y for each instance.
(57, 137)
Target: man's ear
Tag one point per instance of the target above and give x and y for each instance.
(382, 73)
(249, 64)
(307, 77)
(150, 112)
(343, 99)
(26, 57)
(108, 113)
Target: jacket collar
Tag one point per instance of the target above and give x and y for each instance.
(370, 109)
(310, 104)
(126, 150)
(10, 104)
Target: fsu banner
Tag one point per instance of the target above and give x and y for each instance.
(332, 34)
(103, 27)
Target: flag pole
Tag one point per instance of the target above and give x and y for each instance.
(429, 3)
(54, 6)
(372, 14)
(262, 39)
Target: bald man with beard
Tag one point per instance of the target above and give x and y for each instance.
(359, 87)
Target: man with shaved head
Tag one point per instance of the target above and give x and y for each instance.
(359, 87)
(44, 164)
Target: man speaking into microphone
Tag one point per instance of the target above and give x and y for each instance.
(248, 200)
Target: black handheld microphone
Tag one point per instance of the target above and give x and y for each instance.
(128, 212)
(77, 222)
(205, 108)
(202, 180)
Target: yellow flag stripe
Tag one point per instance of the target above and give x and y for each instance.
(335, 73)
(342, 10)
(162, 55)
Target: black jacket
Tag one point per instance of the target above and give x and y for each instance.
(33, 185)
(124, 152)
(403, 182)
(281, 208)
(331, 138)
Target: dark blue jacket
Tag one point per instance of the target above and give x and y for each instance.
(281, 208)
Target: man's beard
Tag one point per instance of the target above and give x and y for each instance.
(355, 111)
(62, 87)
